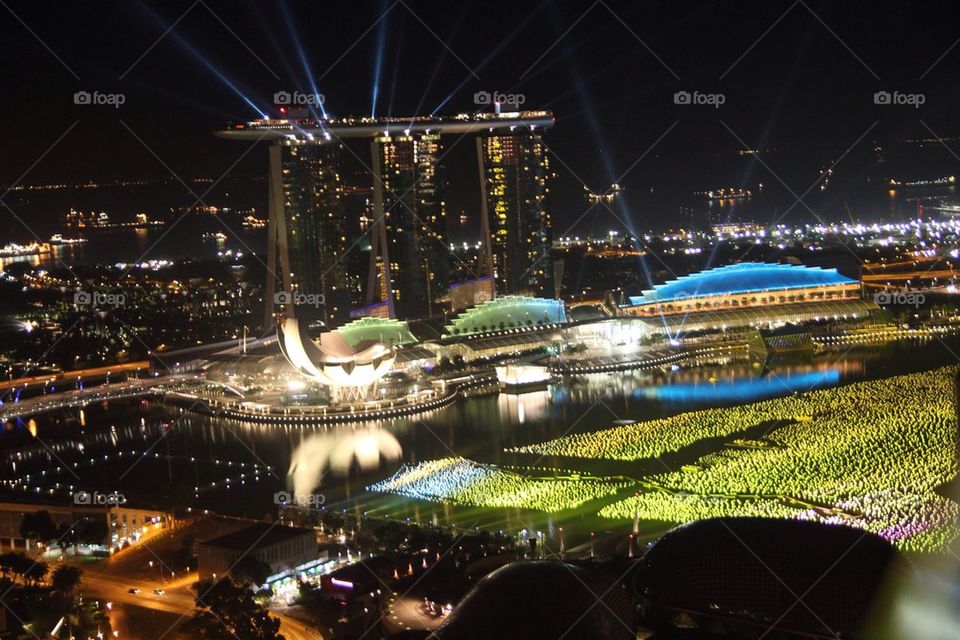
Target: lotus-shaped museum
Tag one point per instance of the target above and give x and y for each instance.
(330, 359)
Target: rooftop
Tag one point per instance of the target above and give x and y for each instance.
(257, 536)
(507, 312)
(319, 131)
(383, 330)
(744, 277)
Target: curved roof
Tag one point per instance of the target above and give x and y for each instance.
(383, 330)
(722, 566)
(507, 312)
(543, 599)
(744, 277)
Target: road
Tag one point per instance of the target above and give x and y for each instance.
(81, 397)
(409, 613)
(178, 600)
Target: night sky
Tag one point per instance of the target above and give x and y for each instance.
(798, 81)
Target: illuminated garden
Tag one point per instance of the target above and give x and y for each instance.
(464, 482)
(871, 455)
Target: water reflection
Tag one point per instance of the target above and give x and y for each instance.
(533, 406)
(741, 389)
(336, 451)
(236, 467)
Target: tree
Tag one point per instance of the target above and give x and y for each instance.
(8, 562)
(65, 536)
(92, 531)
(35, 572)
(66, 579)
(226, 611)
(390, 535)
(333, 520)
(417, 538)
(251, 571)
(38, 526)
(20, 566)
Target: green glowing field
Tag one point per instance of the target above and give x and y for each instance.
(871, 455)
(464, 482)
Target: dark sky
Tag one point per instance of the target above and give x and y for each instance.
(797, 78)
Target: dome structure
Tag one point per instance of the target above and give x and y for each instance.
(330, 359)
(744, 277)
(386, 331)
(508, 312)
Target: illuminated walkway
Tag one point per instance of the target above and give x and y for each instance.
(82, 397)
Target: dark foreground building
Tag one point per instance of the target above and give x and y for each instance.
(282, 548)
(543, 599)
(718, 579)
(744, 577)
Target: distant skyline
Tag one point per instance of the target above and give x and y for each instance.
(798, 78)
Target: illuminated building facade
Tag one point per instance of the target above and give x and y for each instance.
(514, 174)
(409, 273)
(408, 197)
(282, 548)
(308, 233)
(749, 294)
(743, 285)
(513, 313)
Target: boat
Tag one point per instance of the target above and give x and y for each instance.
(730, 193)
(254, 223)
(58, 240)
(14, 250)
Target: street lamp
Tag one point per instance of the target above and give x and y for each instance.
(159, 566)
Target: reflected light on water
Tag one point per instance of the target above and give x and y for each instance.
(517, 409)
(741, 389)
(336, 452)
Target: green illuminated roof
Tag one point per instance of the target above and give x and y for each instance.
(507, 312)
(384, 330)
